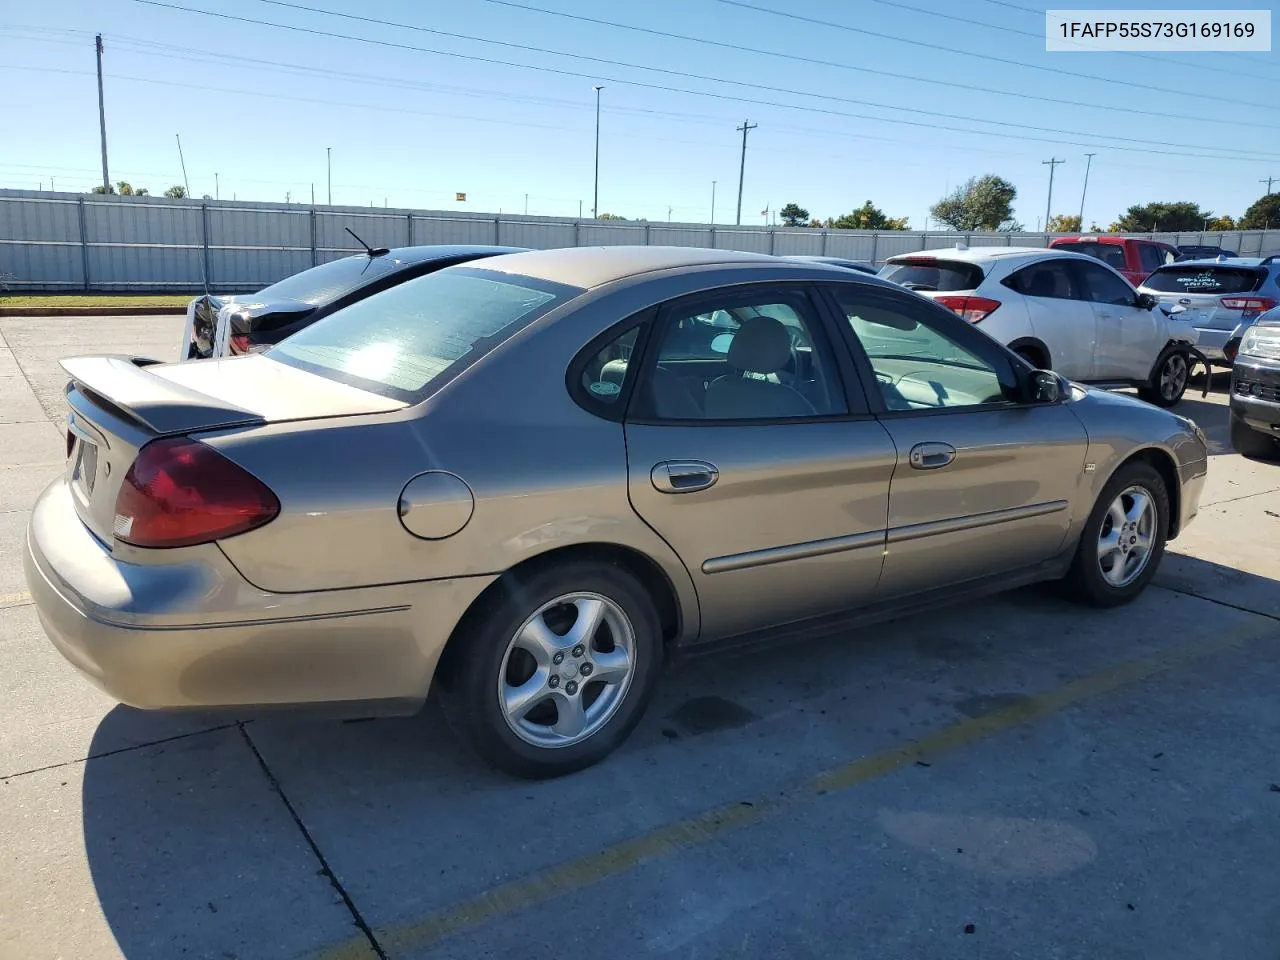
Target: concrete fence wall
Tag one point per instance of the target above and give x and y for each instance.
(73, 242)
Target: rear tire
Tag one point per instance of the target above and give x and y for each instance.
(1111, 565)
(1169, 381)
(1252, 443)
(527, 688)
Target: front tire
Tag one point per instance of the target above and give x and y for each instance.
(1251, 443)
(558, 671)
(1169, 382)
(1123, 540)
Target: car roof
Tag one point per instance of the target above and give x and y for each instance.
(442, 251)
(588, 267)
(976, 254)
(1222, 261)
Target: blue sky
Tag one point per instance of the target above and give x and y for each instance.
(258, 105)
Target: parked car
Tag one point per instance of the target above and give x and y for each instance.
(1255, 390)
(1133, 258)
(226, 326)
(1059, 310)
(1203, 252)
(862, 266)
(532, 481)
(1220, 297)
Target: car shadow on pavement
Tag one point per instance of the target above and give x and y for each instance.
(201, 845)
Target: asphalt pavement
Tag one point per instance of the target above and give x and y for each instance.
(1015, 778)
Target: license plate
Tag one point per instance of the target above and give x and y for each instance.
(86, 468)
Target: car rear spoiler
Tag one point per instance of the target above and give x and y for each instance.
(123, 383)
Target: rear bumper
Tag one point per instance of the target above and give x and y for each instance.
(190, 632)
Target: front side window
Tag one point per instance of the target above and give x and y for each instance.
(758, 355)
(917, 365)
(396, 343)
(1103, 286)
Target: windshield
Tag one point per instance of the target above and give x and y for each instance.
(328, 281)
(1204, 279)
(1111, 254)
(399, 342)
(932, 275)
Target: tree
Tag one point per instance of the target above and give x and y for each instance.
(981, 203)
(206, 197)
(794, 215)
(1262, 213)
(1063, 223)
(610, 216)
(102, 189)
(176, 192)
(124, 188)
(1224, 222)
(867, 217)
(1171, 217)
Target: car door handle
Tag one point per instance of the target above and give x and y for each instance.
(931, 456)
(683, 476)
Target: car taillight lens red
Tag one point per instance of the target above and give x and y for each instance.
(181, 492)
(1248, 304)
(973, 309)
(239, 343)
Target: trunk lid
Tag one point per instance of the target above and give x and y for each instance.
(117, 404)
(1194, 292)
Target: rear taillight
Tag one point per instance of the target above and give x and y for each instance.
(181, 492)
(973, 309)
(1250, 305)
(239, 343)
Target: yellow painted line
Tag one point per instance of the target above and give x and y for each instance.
(545, 885)
(14, 599)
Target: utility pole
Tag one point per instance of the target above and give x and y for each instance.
(669, 209)
(1052, 164)
(1087, 163)
(313, 195)
(102, 118)
(713, 201)
(742, 167)
(595, 196)
(579, 209)
(217, 189)
(328, 162)
(526, 204)
(1267, 181)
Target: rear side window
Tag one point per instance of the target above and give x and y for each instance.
(1049, 278)
(1111, 254)
(931, 274)
(396, 343)
(1179, 278)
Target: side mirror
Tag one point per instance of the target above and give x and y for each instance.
(1146, 301)
(1045, 386)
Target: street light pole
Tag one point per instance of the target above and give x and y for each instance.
(1049, 203)
(102, 118)
(1088, 163)
(595, 195)
(713, 201)
(328, 162)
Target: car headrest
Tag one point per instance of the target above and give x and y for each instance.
(761, 345)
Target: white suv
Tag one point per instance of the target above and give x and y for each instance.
(1060, 311)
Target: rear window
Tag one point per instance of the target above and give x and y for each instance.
(400, 342)
(1111, 254)
(930, 274)
(1204, 279)
(331, 280)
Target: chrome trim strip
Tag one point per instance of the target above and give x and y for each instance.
(794, 551)
(933, 528)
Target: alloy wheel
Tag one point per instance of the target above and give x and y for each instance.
(567, 670)
(1173, 376)
(1127, 536)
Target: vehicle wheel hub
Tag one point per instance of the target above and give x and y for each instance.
(1127, 536)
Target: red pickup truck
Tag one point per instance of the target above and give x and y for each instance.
(1133, 257)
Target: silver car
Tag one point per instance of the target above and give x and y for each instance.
(532, 481)
(1221, 297)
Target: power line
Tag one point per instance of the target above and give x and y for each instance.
(1003, 124)
(1112, 81)
(952, 84)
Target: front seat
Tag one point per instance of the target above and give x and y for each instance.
(761, 347)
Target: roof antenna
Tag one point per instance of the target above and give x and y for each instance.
(186, 186)
(371, 251)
